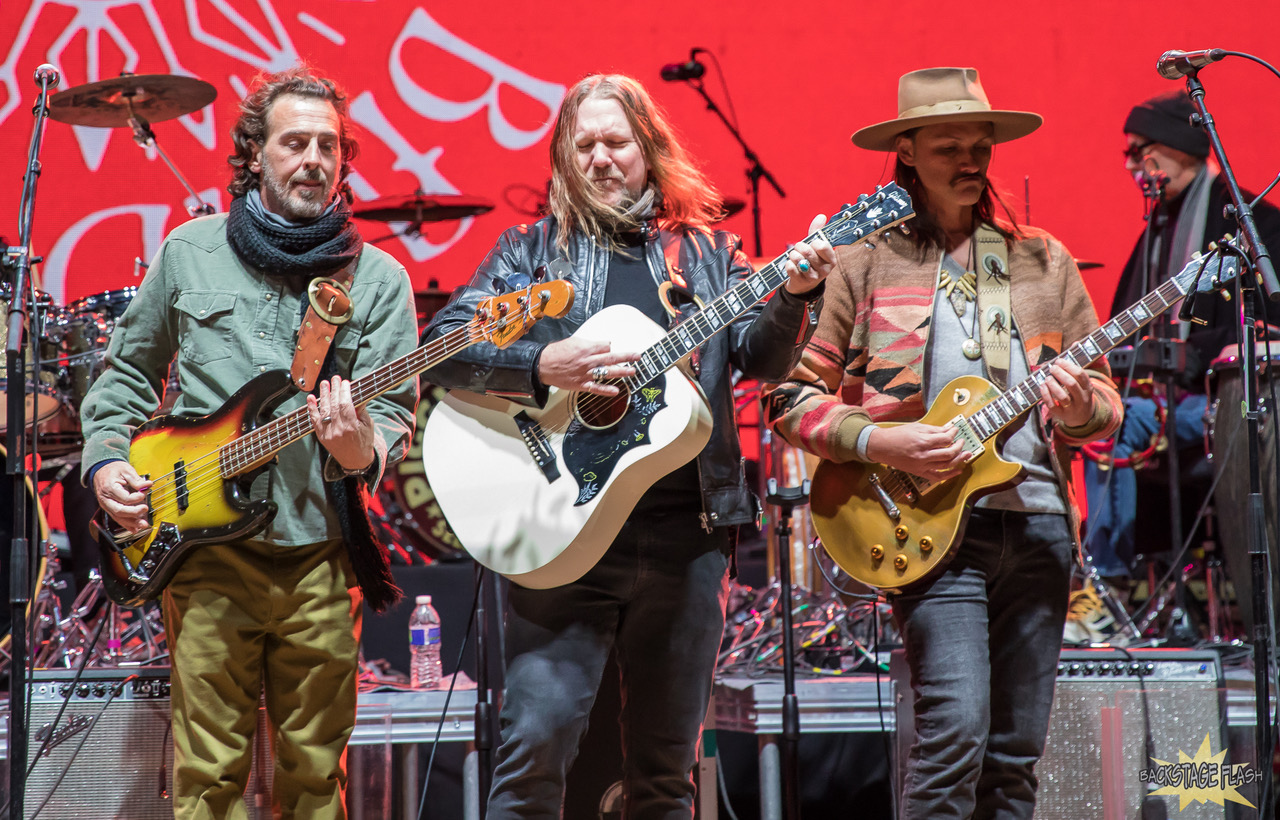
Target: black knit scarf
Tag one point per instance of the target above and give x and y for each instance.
(349, 498)
(322, 246)
(315, 248)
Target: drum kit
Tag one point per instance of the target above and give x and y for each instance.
(66, 352)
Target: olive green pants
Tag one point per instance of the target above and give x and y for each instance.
(249, 618)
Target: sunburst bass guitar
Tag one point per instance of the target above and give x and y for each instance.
(201, 467)
(890, 529)
(538, 494)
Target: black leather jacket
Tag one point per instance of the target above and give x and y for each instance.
(764, 343)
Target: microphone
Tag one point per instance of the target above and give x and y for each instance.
(47, 73)
(690, 69)
(1173, 65)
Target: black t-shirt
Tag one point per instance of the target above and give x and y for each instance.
(630, 282)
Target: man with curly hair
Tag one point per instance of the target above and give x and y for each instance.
(275, 616)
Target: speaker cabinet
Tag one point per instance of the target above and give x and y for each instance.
(1113, 711)
(110, 755)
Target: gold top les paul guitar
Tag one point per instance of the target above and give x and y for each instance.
(890, 529)
(201, 467)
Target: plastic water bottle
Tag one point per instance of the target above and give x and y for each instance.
(424, 645)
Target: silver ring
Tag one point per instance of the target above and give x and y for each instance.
(599, 373)
(803, 265)
(327, 418)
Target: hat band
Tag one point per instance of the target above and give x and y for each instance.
(948, 107)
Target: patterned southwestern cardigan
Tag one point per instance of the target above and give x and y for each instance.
(865, 361)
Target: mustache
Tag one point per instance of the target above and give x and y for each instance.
(313, 175)
(981, 177)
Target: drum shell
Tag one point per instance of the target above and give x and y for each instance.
(85, 337)
(1230, 453)
(45, 398)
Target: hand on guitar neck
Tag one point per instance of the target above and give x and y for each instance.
(584, 365)
(808, 263)
(1069, 394)
(937, 453)
(122, 494)
(346, 431)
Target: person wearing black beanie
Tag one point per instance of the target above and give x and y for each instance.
(1184, 199)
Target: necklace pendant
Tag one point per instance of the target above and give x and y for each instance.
(971, 349)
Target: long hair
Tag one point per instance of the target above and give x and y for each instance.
(249, 134)
(926, 233)
(685, 198)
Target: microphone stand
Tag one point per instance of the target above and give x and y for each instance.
(18, 259)
(1172, 360)
(1259, 553)
(483, 715)
(755, 170)
(786, 500)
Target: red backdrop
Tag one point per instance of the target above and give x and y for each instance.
(459, 97)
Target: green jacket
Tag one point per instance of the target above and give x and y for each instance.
(227, 323)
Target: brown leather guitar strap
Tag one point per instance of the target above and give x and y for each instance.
(331, 307)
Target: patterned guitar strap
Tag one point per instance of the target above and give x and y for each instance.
(995, 323)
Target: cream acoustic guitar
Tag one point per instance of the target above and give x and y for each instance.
(890, 529)
(201, 467)
(538, 494)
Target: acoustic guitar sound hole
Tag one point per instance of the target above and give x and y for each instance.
(601, 412)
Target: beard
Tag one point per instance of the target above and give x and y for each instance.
(299, 204)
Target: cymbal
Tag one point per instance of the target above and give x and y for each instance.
(107, 103)
(1085, 264)
(732, 205)
(418, 208)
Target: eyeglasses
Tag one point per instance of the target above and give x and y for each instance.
(1136, 152)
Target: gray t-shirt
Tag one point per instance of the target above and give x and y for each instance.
(944, 361)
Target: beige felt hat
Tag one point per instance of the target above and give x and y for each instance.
(932, 96)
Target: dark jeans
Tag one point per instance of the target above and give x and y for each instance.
(658, 595)
(982, 645)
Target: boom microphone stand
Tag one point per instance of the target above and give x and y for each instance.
(755, 170)
(1259, 554)
(19, 259)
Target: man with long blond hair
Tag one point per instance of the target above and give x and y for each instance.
(630, 214)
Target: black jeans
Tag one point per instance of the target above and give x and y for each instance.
(658, 594)
(982, 643)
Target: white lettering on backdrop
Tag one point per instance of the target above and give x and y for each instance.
(270, 50)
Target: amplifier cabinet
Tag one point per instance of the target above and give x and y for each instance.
(112, 752)
(1113, 711)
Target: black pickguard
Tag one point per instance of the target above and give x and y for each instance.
(590, 455)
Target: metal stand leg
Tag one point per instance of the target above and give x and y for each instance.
(770, 778)
(410, 788)
(471, 799)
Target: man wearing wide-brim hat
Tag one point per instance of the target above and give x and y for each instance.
(964, 294)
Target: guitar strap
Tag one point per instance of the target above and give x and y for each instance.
(675, 290)
(331, 307)
(993, 303)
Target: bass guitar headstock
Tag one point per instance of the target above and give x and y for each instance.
(503, 319)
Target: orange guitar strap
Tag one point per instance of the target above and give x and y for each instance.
(331, 307)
